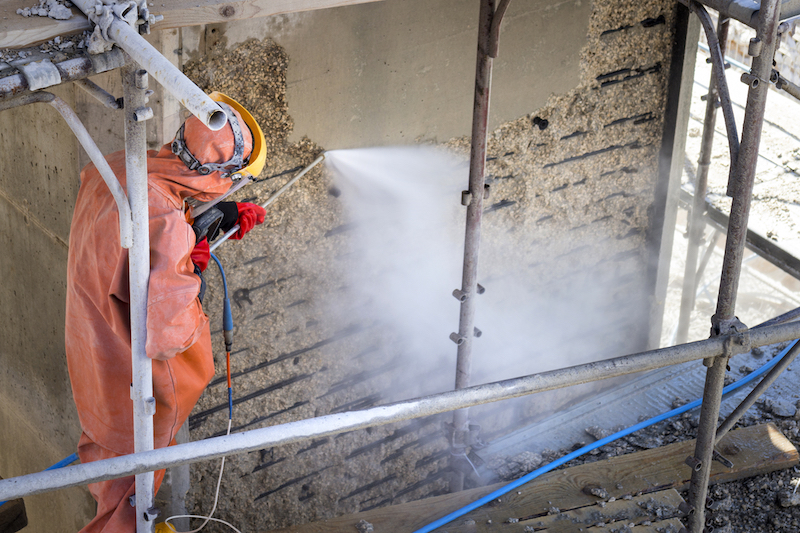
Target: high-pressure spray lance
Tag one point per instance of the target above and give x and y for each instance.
(206, 225)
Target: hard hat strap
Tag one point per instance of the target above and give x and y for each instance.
(237, 162)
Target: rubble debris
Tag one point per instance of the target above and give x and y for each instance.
(597, 432)
(595, 490)
(364, 527)
(54, 9)
(506, 468)
(781, 408)
(789, 498)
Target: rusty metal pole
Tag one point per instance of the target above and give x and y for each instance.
(488, 32)
(697, 223)
(762, 48)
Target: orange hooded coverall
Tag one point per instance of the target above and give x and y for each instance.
(97, 316)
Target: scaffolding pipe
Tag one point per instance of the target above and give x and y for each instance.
(70, 70)
(94, 153)
(473, 199)
(785, 85)
(757, 391)
(99, 94)
(134, 82)
(167, 74)
(88, 144)
(270, 200)
(333, 424)
(741, 188)
(697, 221)
(716, 50)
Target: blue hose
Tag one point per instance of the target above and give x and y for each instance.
(227, 331)
(61, 464)
(593, 446)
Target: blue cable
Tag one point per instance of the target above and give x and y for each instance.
(602, 442)
(61, 464)
(227, 331)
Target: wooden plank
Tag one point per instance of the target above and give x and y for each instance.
(637, 510)
(673, 525)
(18, 32)
(754, 450)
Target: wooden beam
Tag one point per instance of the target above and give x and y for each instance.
(647, 508)
(18, 32)
(753, 450)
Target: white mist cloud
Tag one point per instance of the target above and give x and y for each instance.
(408, 235)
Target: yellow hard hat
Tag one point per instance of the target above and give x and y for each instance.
(258, 155)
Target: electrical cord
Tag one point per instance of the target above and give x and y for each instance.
(602, 442)
(227, 331)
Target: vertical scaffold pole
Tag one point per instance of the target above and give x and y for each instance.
(490, 16)
(134, 81)
(697, 222)
(740, 188)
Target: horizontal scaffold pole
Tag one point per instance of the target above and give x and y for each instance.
(333, 424)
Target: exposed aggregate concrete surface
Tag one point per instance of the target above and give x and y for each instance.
(572, 192)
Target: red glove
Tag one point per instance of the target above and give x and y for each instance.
(250, 215)
(201, 254)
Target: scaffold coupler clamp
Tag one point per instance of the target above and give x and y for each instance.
(737, 338)
(463, 443)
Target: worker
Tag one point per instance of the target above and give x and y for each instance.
(199, 166)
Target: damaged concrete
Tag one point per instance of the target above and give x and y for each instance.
(573, 180)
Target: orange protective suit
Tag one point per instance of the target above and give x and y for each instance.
(97, 318)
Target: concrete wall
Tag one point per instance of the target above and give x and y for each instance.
(38, 186)
(39, 182)
(573, 197)
(574, 217)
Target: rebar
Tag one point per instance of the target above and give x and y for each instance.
(696, 215)
(333, 424)
(724, 321)
(134, 82)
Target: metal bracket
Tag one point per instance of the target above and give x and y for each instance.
(750, 80)
(40, 74)
(737, 337)
(152, 513)
(462, 439)
(456, 338)
(694, 463)
(722, 459)
(149, 406)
